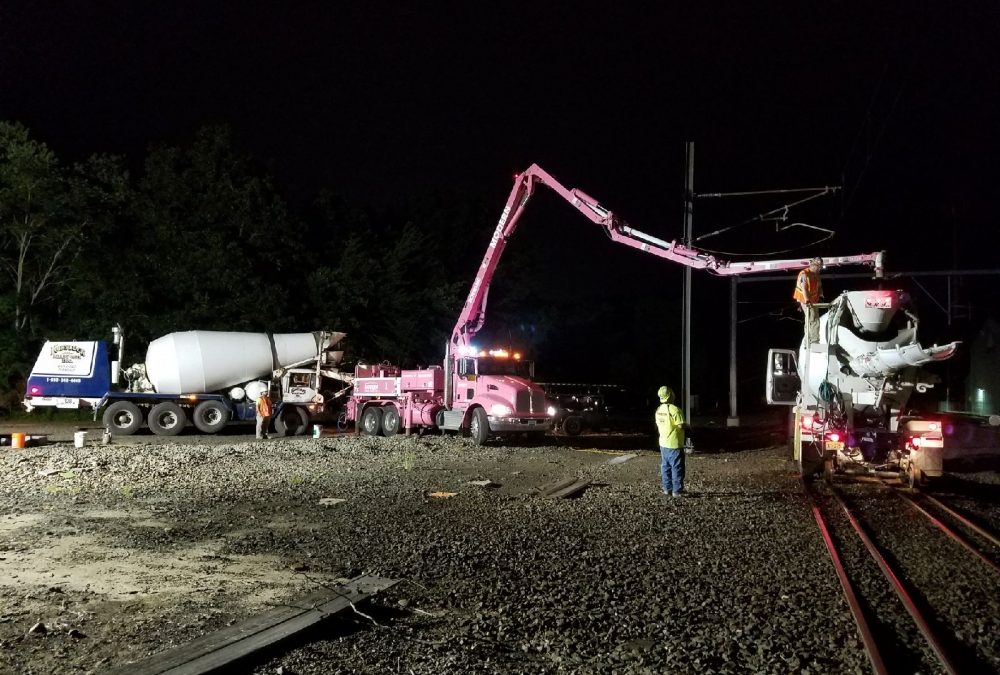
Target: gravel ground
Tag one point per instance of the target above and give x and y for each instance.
(122, 551)
(958, 593)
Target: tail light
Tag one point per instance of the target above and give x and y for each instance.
(35, 390)
(833, 436)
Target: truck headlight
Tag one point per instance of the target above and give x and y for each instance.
(551, 410)
(500, 410)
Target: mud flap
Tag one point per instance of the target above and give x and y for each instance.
(810, 458)
(929, 459)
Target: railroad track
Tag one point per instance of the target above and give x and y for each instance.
(930, 636)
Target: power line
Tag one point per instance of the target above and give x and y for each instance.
(782, 210)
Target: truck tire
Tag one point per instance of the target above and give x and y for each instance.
(210, 417)
(371, 420)
(291, 421)
(479, 427)
(166, 419)
(572, 425)
(123, 418)
(390, 421)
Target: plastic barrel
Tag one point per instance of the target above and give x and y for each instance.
(17, 440)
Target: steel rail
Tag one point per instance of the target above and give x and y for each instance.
(864, 630)
(952, 534)
(982, 532)
(901, 592)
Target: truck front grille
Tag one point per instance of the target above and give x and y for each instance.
(529, 401)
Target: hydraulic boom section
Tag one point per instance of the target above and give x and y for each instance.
(473, 314)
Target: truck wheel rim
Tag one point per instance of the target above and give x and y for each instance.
(212, 416)
(123, 419)
(167, 420)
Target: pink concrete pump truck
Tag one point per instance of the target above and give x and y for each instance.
(487, 393)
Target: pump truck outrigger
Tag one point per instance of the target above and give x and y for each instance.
(490, 392)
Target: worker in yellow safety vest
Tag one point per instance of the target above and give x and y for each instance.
(670, 430)
(263, 413)
(808, 292)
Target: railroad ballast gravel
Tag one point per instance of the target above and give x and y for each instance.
(732, 579)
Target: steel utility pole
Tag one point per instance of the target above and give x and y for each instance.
(688, 241)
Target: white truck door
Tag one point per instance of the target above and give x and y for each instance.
(783, 381)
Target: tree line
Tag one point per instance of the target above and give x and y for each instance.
(199, 237)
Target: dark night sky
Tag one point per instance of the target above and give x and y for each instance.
(899, 101)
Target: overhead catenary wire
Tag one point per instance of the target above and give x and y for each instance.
(866, 123)
(830, 235)
(783, 210)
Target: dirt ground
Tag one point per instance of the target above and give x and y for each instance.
(111, 553)
(114, 566)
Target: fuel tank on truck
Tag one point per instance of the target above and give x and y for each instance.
(204, 360)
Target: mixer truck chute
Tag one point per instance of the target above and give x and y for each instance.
(850, 390)
(206, 377)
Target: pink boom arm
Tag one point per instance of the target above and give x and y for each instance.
(474, 311)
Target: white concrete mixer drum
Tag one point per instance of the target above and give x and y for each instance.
(203, 361)
(874, 309)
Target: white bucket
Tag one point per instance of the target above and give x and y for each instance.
(317, 430)
(79, 439)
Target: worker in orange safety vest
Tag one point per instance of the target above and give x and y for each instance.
(263, 413)
(808, 292)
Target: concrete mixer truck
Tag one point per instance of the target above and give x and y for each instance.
(208, 377)
(850, 390)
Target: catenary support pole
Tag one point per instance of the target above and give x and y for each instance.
(688, 240)
(733, 420)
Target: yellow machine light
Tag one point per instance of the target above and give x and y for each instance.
(191, 397)
(517, 356)
(482, 353)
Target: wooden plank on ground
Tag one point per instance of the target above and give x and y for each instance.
(570, 490)
(218, 650)
(563, 488)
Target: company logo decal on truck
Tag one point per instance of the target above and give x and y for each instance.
(67, 353)
(66, 358)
